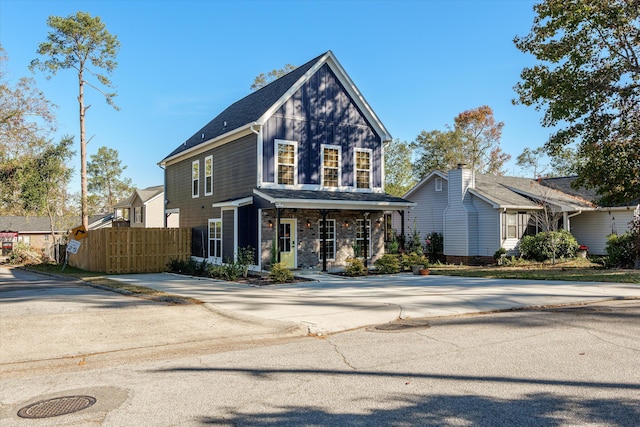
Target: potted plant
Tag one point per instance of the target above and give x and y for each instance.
(582, 250)
(424, 271)
(415, 262)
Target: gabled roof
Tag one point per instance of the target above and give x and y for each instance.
(144, 194)
(257, 107)
(26, 224)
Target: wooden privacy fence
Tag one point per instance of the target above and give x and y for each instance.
(132, 250)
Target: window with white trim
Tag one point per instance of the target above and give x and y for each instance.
(286, 162)
(331, 239)
(195, 178)
(137, 214)
(215, 239)
(438, 184)
(360, 238)
(331, 160)
(362, 168)
(512, 225)
(208, 175)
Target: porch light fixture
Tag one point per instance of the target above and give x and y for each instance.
(378, 224)
(270, 224)
(346, 223)
(308, 224)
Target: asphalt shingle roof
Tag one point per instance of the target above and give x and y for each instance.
(247, 110)
(25, 224)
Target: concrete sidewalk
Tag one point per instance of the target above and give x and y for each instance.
(332, 303)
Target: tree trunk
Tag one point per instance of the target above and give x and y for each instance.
(83, 154)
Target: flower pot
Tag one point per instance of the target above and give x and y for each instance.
(582, 254)
(424, 271)
(416, 269)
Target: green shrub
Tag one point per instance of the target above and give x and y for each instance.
(434, 243)
(549, 245)
(216, 271)
(621, 251)
(409, 260)
(387, 264)
(190, 267)
(355, 267)
(280, 274)
(245, 258)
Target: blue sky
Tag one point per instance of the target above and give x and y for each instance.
(417, 63)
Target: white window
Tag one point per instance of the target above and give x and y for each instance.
(331, 161)
(286, 162)
(215, 240)
(137, 214)
(195, 178)
(362, 168)
(208, 175)
(438, 184)
(512, 225)
(331, 239)
(359, 248)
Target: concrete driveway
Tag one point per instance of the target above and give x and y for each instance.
(332, 303)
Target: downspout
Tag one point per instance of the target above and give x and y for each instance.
(258, 152)
(569, 219)
(164, 188)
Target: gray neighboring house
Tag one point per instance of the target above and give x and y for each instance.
(143, 209)
(478, 214)
(34, 231)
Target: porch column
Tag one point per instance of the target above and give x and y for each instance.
(278, 209)
(323, 245)
(365, 238)
(401, 229)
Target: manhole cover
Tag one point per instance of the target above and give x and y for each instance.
(56, 406)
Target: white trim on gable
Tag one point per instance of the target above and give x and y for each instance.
(330, 59)
(424, 181)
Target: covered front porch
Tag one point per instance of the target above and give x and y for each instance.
(307, 229)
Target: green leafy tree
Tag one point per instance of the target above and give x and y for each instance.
(587, 82)
(264, 79)
(398, 168)
(474, 141)
(82, 43)
(564, 162)
(105, 179)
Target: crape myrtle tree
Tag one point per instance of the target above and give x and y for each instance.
(587, 83)
(81, 43)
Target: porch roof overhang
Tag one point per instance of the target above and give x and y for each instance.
(331, 200)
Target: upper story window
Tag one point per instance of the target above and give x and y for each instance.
(195, 179)
(286, 162)
(363, 168)
(438, 184)
(331, 159)
(208, 175)
(137, 214)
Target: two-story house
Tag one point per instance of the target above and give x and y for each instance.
(143, 209)
(294, 170)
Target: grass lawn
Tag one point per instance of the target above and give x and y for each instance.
(578, 270)
(101, 280)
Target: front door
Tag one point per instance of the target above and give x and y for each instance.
(288, 253)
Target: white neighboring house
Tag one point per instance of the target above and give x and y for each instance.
(478, 214)
(144, 209)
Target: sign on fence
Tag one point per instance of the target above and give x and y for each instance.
(73, 246)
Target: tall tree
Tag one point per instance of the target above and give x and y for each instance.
(474, 140)
(105, 178)
(480, 136)
(398, 168)
(82, 43)
(587, 83)
(436, 150)
(263, 79)
(26, 121)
